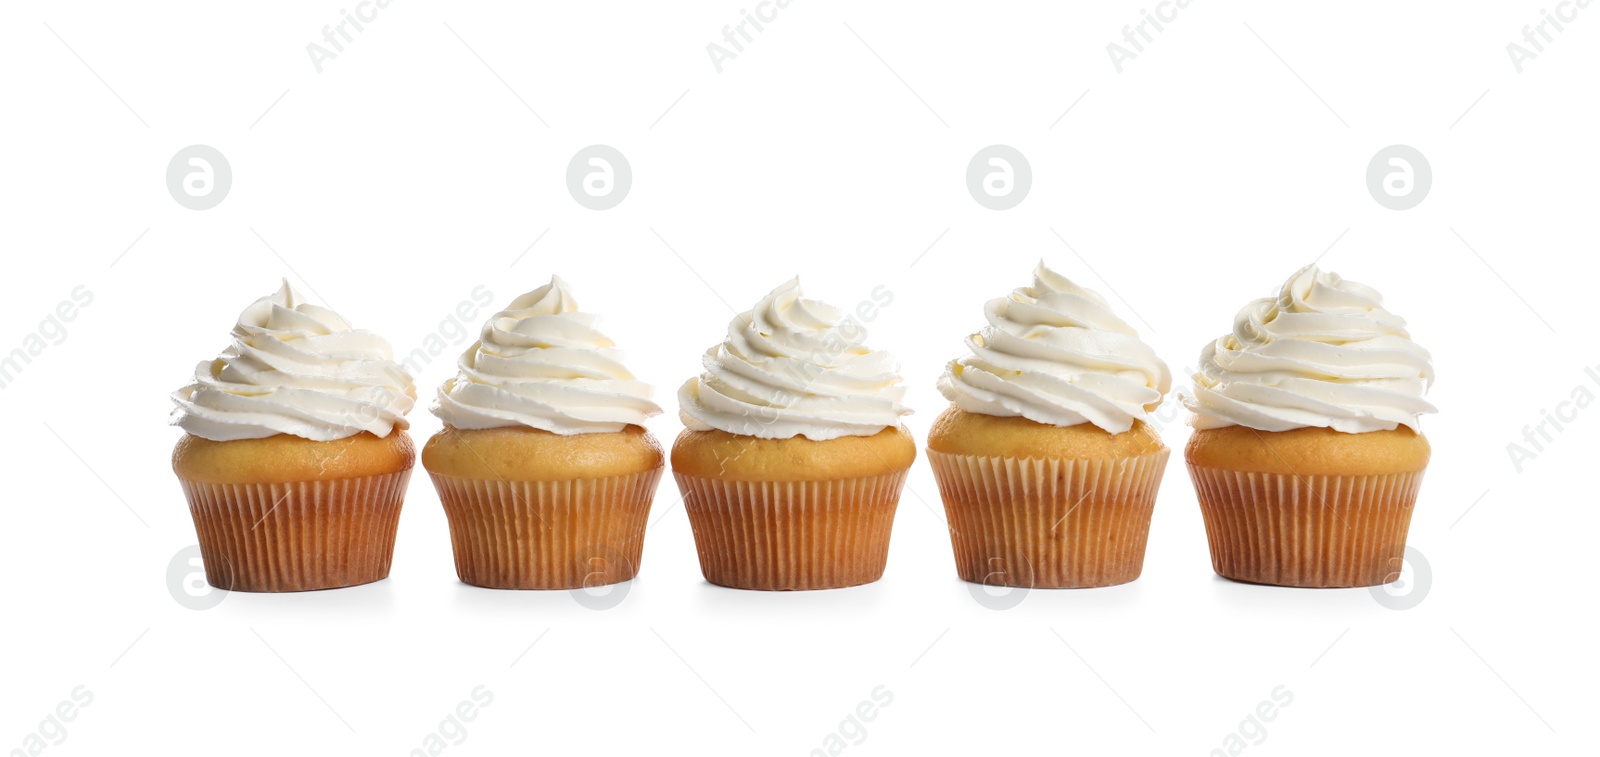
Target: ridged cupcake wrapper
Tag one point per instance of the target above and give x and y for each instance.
(547, 534)
(1316, 531)
(1048, 523)
(792, 535)
(297, 536)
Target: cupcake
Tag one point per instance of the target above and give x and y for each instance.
(1046, 462)
(295, 457)
(544, 467)
(793, 456)
(1307, 454)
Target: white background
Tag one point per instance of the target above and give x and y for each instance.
(409, 171)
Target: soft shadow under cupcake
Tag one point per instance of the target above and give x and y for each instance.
(734, 602)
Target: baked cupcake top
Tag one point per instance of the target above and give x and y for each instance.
(542, 364)
(1323, 353)
(1054, 353)
(295, 368)
(794, 367)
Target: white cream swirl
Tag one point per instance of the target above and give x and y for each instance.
(295, 368)
(1323, 353)
(1055, 354)
(542, 364)
(794, 367)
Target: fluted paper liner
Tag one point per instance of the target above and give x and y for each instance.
(297, 536)
(790, 535)
(1048, 522)
(547, 534)
(1293, 530)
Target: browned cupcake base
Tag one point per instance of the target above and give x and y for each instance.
(1048, 523)
(302, 536)
(792, 535)
(1306, 530)
(1041, 506)
(532, 509)
(547, 534)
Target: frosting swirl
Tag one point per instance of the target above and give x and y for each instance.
(1322, 353)
(295, 368)
(540, 363)
(794, 367)
(1055, 354)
